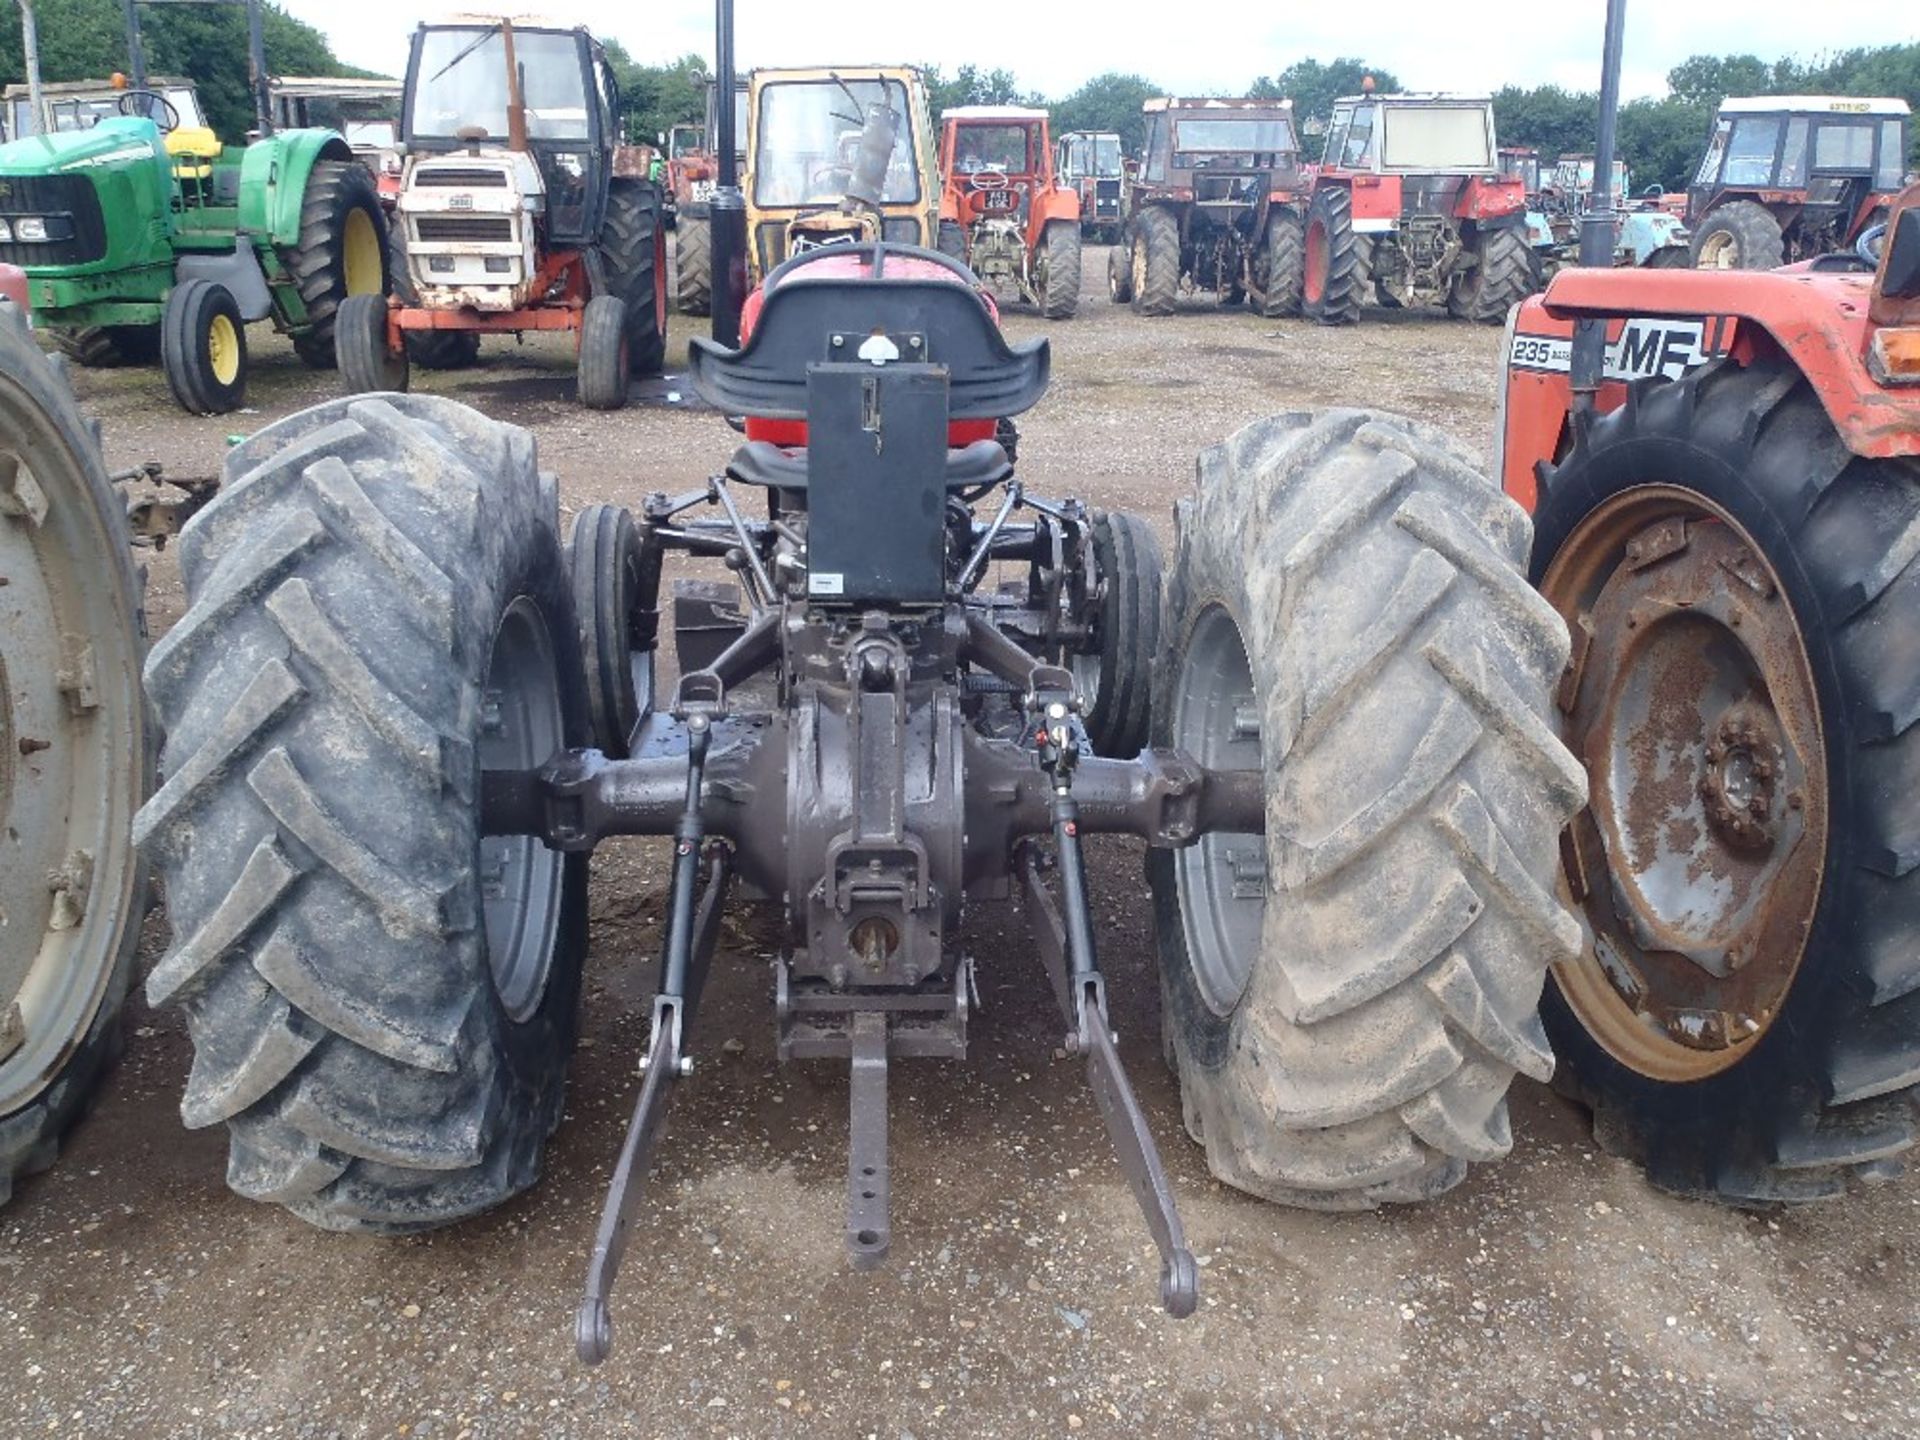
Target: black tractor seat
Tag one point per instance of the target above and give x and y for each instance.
(922, 318)
(759, 462)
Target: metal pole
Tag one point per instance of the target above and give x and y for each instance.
(257, 68)
(1596, 229)
(728, 211)
(30, 45)
(136, 56)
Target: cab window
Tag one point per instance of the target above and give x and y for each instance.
(1893, 156)
(1357, 152)
(1155, 167)
(1751, 149)
(1336, 134)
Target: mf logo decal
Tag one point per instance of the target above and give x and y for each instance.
(1644, 349)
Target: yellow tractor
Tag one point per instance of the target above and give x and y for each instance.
(805, 128)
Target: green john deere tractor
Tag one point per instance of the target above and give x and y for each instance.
(143, 237)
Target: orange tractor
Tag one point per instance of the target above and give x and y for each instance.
(1003, 210)
(1724, 475)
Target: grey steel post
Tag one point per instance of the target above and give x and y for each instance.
(1596, 229)
(257, 69)
(136, 55)
(727, 215)
(30, 47)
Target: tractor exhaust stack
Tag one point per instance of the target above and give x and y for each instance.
(1588, 360)
(728, 209)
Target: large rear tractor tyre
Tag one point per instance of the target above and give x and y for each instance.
(1331, 281)
(101, 347)
(367, 366)
(1502, 276)
(1060, 282)
(1120, 270)
(1115, 676)
(1349, 996)
(1742, 235)
(618, 623)
(342, 251)
(203, 348)
(1156, 261)
(76, 759)
(604, 367)
(693, 265)
(1745, 1016)
(1284, 265)
(382, 1001)
(635, 246)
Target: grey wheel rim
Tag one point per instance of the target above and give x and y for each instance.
(1221, 881)
(72, 742)
(521, 879)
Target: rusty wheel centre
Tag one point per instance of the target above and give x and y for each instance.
(1698, 858)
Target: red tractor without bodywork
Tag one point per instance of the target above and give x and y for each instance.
(1410, 207)
(1729, 525)
(1002, 209)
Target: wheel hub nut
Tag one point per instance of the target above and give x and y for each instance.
(1739, 787)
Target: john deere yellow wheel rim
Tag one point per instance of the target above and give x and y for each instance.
(360, 254)
(223, 349)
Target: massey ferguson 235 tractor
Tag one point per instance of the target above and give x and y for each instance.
(1788, 177)
(1724, 474)
(400, 712)
(1410, 207)
(517, 214)
(1018, 225)
(1217, 205)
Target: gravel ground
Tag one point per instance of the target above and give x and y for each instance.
(1552, 1294)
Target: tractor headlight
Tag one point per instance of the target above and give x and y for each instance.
(31, 228)
(6, 233)
(499, 264)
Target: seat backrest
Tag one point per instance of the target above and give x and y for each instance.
(919, 311)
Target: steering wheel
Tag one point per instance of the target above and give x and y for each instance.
(149, 105)
(987, 179)
(1872, 241)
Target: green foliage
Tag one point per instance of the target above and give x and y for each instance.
(1313, 87)
(1551, 120)
(87, 40)
(1108, 102)
(971, 85)
(658, 97)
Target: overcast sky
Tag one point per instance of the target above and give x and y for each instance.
(1052, 48)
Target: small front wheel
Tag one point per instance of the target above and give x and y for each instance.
(203, 348)
(605, 364)
(360, 343)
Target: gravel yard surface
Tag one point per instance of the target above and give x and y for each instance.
(1554, 1294)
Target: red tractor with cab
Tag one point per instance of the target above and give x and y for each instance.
(1411, 206)
(1002, 208)
(1725, 491)
(1788, 177)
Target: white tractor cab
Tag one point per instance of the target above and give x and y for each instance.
(365, 111)
(82, 104)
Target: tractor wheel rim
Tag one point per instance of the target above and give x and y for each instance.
(71, 759)
(1698, 860)
(1718, 251)
(1220, 881)
(521, 880)
(223, 349)
(360, 255)
(1316, 278)
(1139, 266)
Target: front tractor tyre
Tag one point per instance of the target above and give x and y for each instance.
(1114, 675)
(76, 759)
(693, 265)
(381, 999)
(1349, 996)
(1742, 235)
(343, 250)
(1744, 1018)
(367, 365)
(1156, 261)
(203, 348)
(1332, 279)
(1120, 270)
(634, 243)
(604, 366)
(1060, 270)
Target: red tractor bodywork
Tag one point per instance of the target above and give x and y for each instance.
(1854, 336)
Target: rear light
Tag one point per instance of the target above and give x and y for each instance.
(1894, 356)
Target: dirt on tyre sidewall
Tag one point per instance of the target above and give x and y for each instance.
(1061, 294)
(1156, 261)
(382, 1004)
(74, 890)
(1742, 235)
(1820, 1093)
(1350, 997)
(1502, 277)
